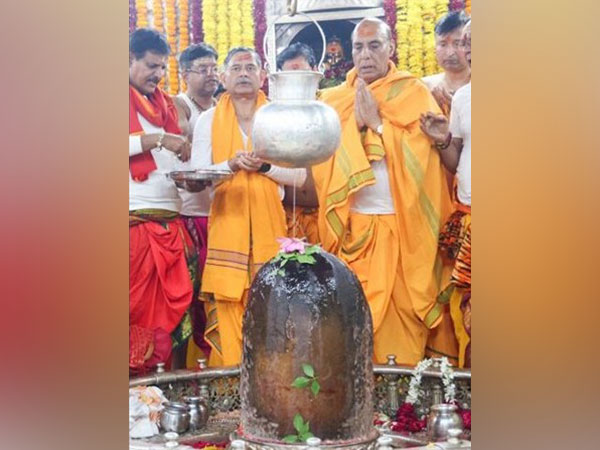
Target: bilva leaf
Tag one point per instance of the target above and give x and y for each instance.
(301, 382)
(306, 259)
(308, 370)
(298, 422)
(290, 439)
(305, 436)
(305, 428)
(315, 387)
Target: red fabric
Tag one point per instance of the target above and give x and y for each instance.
(162, 349)
(197, 226)
(159, 110)
(139, 340)
(160, 289)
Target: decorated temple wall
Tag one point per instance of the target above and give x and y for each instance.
(230, 23)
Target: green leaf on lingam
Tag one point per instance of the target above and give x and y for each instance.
(298, 423)
(306, 259)
(305, 436)
(308, 370)
(301, 382)
(315, 387)
(290, 439)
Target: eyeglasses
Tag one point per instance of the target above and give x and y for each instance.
(204, 70)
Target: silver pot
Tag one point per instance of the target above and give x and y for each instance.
(198, 413)
(294, 129)
(175, 417)
(442, 418)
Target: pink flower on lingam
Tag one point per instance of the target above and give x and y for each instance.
(289, 245)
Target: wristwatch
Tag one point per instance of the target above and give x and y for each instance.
(379, 130)
(264, 168)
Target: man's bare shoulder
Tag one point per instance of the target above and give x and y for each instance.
(181, 106)
(432, 81)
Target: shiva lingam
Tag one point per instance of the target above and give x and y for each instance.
(294, 129)
(307, 367)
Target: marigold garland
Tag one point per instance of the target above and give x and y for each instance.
(234, 20)
(172, 71)
(141, 13)
(209, 21)
(183, 9)
(468, 6)
(402, 26)
(428, 13)
(158, 19)
(222, 30)
(247, 24)
(415, 38)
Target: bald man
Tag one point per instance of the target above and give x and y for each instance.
(383, 195)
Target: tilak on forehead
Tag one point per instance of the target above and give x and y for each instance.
(244, 56)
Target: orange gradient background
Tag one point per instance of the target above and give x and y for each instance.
(65, 234)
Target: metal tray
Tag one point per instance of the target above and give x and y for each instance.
(200, 175)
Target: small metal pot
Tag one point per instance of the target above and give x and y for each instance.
(198, 413)
(442, 418)
(175, 417)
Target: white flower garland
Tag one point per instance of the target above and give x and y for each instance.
(447, 379)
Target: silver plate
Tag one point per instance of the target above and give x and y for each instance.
(200, 175)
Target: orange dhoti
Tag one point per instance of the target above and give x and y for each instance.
(304, 224)
(372, 250)
(246, 218)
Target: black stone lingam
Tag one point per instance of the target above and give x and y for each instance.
(308, 314)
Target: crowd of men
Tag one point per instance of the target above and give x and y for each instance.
(393, 202)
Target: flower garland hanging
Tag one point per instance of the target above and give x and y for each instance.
(406, 417)
(260, 27)
(401, 27)
(173, 76)
(389, 7)
(183, 21)
(141, 13)
(430, 65)
(468, 7)
(234, 19)
(415, 38)
(197, 33)
(209, 21)
(158, 18)
(132, 16)
(456, 5)
(247, 24)
(222, 30)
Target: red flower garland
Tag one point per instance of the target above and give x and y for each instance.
(456, 5)
(406, 420)
(197, 30)
(260, 26)
(389, 7)
(132, 16)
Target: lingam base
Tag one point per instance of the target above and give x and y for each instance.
(256, 444)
